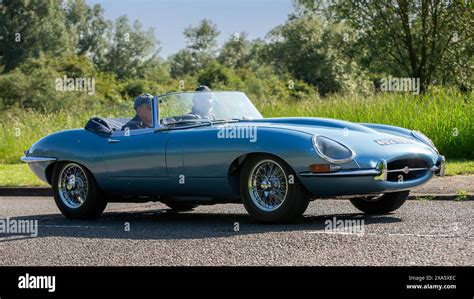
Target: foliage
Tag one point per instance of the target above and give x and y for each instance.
(130, 50)
(31, 28)
(428, 39)
(200, 50)
(308, 48)
(235, 52)
(89, 28)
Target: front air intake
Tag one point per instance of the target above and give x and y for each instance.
(406, 169)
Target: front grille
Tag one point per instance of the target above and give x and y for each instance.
(406, 169)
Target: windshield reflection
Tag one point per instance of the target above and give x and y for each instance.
(197, 107)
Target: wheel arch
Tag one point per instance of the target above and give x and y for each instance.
(235, 168)
(75, 146)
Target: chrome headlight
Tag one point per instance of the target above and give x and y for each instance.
(331, 150)
(423, 138)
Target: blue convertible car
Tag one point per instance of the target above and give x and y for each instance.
(215, 147)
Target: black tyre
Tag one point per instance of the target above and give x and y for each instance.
(180, 206)
(381, 204)
(76, 192)
(270, 190)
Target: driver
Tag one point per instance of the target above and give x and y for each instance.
(143, 118)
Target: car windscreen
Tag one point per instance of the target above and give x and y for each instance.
(206, 105)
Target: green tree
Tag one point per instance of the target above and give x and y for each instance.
(200, 49)
(130, 50)
(216, 75)
(235, 51)
(312, 50)
(33, 83)
(419, 39)
(30, 28)
(202, 38)
(90, 29)
(182, 63)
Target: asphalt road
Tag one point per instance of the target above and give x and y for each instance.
(420, 233)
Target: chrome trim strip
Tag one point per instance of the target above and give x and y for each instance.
(409, 169)
(349, 172)
(31, 159)
(156, 113)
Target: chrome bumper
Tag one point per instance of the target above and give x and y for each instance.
(30, 159)
(380, 172)
(440, 168)
(343, 173)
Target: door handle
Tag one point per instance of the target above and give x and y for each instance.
(110, 140)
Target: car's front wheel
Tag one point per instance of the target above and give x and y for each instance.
(270, 190)
(76, 193)
(381, 204)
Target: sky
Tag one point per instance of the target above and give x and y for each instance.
(171, 17)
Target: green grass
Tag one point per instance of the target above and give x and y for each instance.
(17, 175)
(462, 195)
(459, 167)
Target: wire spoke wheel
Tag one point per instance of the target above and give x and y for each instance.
(268, 185)
(73, 186)
(267, 192)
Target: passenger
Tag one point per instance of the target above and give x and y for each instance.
(203, 102)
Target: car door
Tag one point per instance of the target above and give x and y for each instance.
(136, 161)
(205, 162)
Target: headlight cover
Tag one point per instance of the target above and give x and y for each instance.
(331, 150)
(423, 138)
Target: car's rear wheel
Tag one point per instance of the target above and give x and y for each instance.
(270, 190)
(180, 206)
(76, 192)
(381, 204)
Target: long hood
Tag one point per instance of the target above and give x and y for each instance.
(309, 123)
(369, 144)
